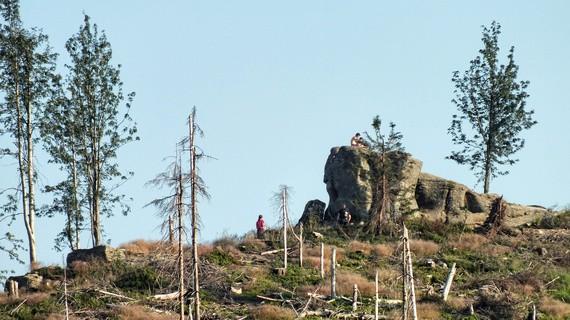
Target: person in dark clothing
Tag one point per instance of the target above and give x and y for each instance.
(344, 216)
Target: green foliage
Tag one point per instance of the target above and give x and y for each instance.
(492, 114)
(137, 278)
(435, 230)
(555, 221)
(297, 276)
(562, 288)
(30, 311)
(220, 257)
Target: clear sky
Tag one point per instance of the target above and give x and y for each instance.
(278, 83)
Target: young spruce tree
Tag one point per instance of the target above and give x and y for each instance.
(491, 104)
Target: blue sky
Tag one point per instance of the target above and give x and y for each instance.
(277, 84)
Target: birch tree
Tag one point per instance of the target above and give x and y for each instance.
(94, 90)
(27, 68)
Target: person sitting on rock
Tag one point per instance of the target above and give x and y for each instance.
(357, 141)
(260, 226)
(344, 215)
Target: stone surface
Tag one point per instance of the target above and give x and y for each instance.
(103, 253)
(351, 178)
(314, 213)
(27, 282)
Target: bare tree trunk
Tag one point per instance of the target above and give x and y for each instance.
(355, 297)
(376, 296)
(448, 282)
(170, 230)
(31, 178)
(333, 273)
(22, 171)
(322, 260)
(76, 205)
(180, 207)
(409, 275)
(301, 245)
(284, 203)
(404, 279)
(193, 208)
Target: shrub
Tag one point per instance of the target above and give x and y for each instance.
(435, 230)
(555, 221)
(220, 257)
(383, 250)
(137, 277)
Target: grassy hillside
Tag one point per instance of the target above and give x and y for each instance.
(500, 277)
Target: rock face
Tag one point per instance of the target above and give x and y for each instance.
(314, 212)
(39, 279)
(103, 253)
(352, 176)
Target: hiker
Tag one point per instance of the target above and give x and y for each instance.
(344, 215)
(357, 141)
(260, 226)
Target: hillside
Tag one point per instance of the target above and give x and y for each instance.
(501, 277)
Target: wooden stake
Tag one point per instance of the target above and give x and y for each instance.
(448, 282)
(322, 260)
(301, 245)
(333, 273)
(355, 297)
(376, 296)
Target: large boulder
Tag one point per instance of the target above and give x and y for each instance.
(352, 174)
(314, 213)
(352, 178)
(39, 279)
(101, 253)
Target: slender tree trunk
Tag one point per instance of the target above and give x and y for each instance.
(31, 178)
(376, 296)
(180, 210)
(301, 245)
(285, 220)
(194, 183)
(76, 205)
(333, 273)
(170, 230)
(322, 260)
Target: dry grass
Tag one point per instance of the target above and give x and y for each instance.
(468, 241)
(555, 307)
(423, 248)
(384, 250)
(495, 250)
(358, 246)
(429, 311)
(459, 303)
(316, 252)
(271, 312)
(134, 312)
(253, 244)
(146, 247)
(205, 249)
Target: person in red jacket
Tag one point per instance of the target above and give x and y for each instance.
(260, 226)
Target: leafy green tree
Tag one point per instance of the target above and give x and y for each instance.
(389, 153)
(94, 93)
(492, 111)
(27, 68)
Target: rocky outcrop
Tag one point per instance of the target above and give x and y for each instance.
(102, 253)
(314, 213)
(39, 279)
(352, 175)
(352, 179)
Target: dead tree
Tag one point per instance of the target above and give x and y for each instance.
(281, 199)
(447, 286)
(333, 273)
(322, 260)
(180, 214)
(409, 295)
(494, 222)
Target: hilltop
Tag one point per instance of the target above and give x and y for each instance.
(507, 260)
